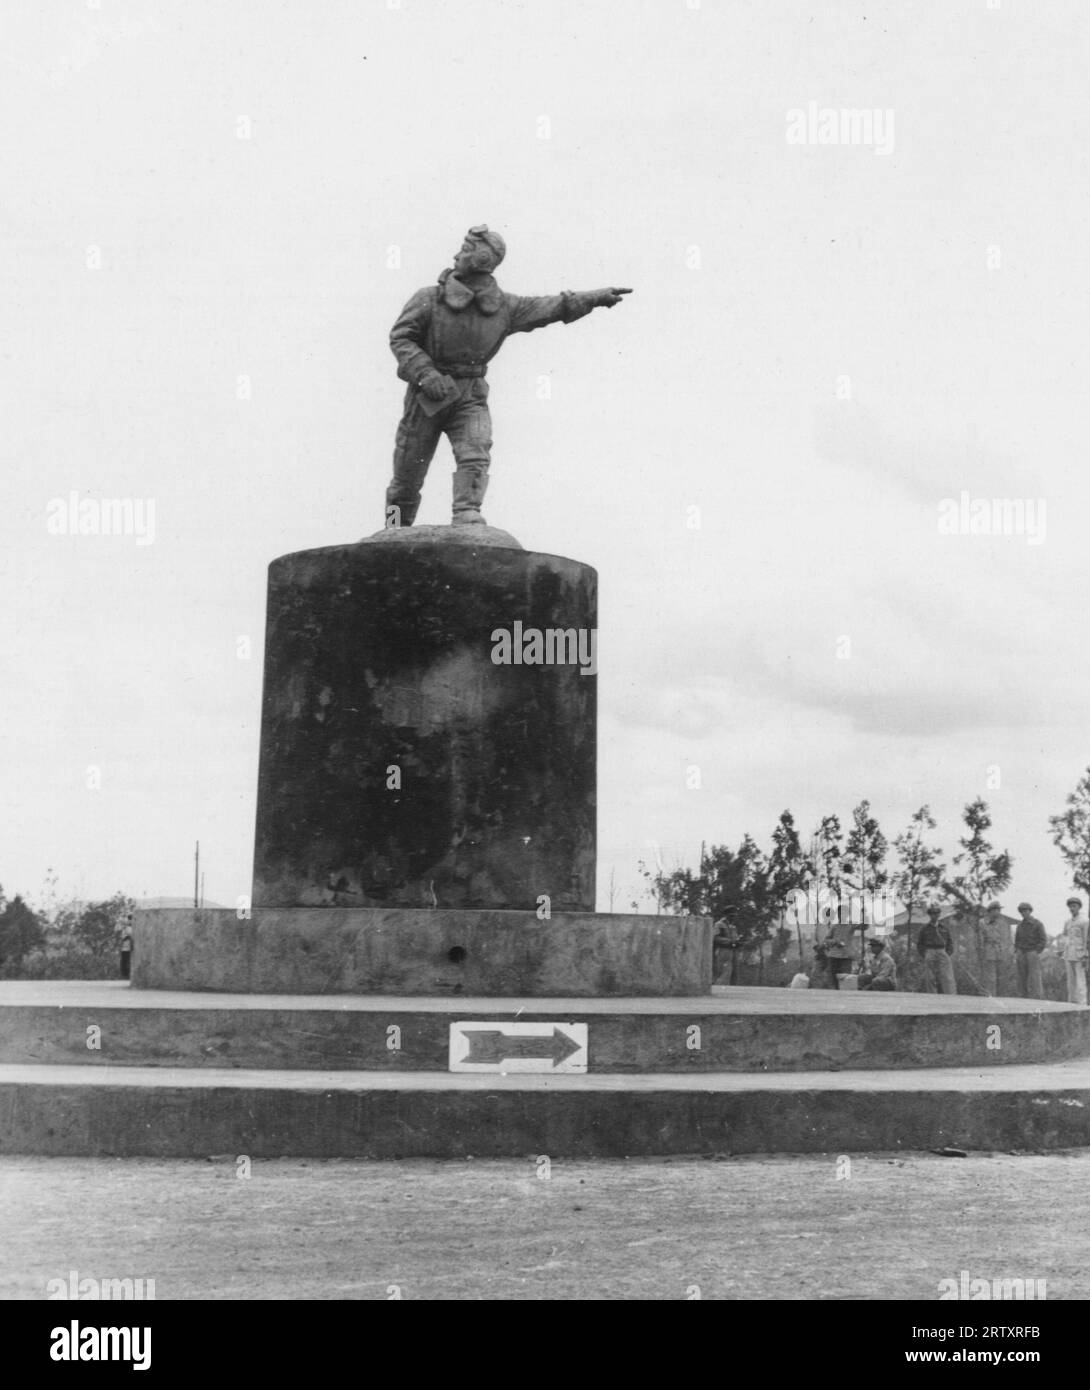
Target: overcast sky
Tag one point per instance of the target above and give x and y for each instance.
(824, 343)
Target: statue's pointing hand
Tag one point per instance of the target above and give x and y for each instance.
(605, 299)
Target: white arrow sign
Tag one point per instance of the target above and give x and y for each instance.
(518, 1047)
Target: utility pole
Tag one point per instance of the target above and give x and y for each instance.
(196, 874)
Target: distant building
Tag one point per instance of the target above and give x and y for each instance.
(952, 916)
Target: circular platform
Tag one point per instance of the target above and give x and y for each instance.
(765, 1071)
(757, 1030)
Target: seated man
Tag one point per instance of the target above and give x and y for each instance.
(882, 974)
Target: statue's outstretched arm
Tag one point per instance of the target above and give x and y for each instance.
(536, 311)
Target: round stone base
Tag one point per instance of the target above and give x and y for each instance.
(420, 952)
(428, 726)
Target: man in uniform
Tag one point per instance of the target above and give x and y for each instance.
(837, 952)
(1030, 939)
(725, 940)
(126, 947)
(936, 946)
(443, 340)
(995, 948)
(1074, 944)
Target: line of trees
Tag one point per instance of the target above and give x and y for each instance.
(750, 889)
(61, 940)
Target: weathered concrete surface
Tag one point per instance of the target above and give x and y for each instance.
(439, 952)
(134, 1111)
(400, 765)
(48, 1022)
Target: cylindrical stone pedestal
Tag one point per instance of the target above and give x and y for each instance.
(428, 726)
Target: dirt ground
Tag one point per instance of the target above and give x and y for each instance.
(876, 1226)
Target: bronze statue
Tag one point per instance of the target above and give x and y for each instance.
(443, 340)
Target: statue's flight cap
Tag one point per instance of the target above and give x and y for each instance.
(492, 240)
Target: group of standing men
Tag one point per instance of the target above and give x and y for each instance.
(936, 947)
(935, 944)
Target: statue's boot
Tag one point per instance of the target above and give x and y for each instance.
(399, 510)
(470, 483)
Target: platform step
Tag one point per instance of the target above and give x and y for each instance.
(186, 1113)
(743, 1030)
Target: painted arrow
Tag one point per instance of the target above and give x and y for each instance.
(518, 1047)
(498, 1047)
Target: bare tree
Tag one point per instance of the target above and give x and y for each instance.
(921, 870)
(864, 861)
(983, 873)
(788, 867)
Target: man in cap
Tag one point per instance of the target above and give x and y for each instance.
(126, 946)
(936, 946)
(1073, 950)
(726, 939)
(443, 340)
(882, 972)
(1030, 939)
(995, 948)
